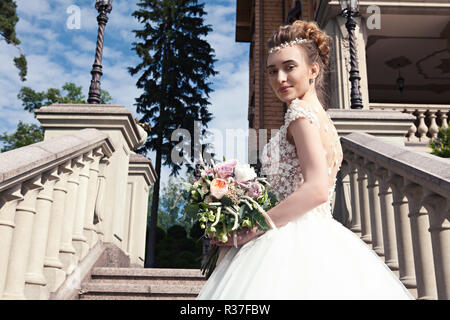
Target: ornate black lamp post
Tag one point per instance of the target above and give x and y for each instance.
(349, 10)
(103, 7)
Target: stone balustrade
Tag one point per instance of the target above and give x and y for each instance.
(53, 210)
(398, 201)
(429, 117)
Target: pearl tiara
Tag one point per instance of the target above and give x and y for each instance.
(287, 44)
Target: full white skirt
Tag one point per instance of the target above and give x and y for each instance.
(313, 257)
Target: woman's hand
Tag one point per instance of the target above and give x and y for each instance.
(243, 236)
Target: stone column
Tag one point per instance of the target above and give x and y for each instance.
(67, 251)
(387, 221)
(21, 241)
(423, 254)
(78, 239)
(355, 209)
(92, 195)
(53, 267)
(439, 215)
(403, 234)
(34, 280)
(8, 203)
(100, 202)
(364, 202)
(375, 211)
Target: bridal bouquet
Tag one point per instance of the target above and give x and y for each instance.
(224, 198)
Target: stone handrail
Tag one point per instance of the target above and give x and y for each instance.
(429, 117)
(398, 201)
(50, 210)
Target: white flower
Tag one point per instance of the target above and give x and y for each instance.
(244, 172)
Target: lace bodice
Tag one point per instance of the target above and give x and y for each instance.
(279, 157)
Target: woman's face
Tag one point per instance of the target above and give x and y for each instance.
(289, 74)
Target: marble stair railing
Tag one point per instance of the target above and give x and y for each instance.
(398, 201)
(429, 117)
(50, 210)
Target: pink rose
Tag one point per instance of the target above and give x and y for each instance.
(218, 188)
(255, 191)
(225, 169)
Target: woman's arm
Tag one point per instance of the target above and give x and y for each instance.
(312, 160)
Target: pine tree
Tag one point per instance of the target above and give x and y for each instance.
(173, 72)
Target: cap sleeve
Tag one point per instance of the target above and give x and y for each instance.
(296, 111)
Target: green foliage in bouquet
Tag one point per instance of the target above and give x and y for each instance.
(441, 145)
(225, 198)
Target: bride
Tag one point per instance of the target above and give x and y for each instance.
(308, 254)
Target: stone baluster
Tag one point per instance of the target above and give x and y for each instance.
(403, 234)
(411, 135)
(21, 241)
(53, 267)
(444, 120)
(78, 238)
(100, 202)
(433, 129)
(387, 221)
(375, 211)
(35, 280)
(423, 255)
(355, 213)
(439, 215)
(364, 202)
(67, 251)
(88, 229)
(8, 203)
(422, 129)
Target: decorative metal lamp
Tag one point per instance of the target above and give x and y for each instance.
(103, 7)
(350, 10)
(400, 82)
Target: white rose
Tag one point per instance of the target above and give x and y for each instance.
(244, 172)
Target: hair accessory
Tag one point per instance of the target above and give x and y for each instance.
(287, 44)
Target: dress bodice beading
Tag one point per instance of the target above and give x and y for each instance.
(280, 161)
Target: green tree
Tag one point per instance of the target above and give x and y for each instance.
(26, 134)
(175, 64)
(8, 20)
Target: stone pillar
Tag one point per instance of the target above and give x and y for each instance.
(67, 251)
(88, 229)
(355, 209)
(53, 267)
(364, 202)
(423, 254)
(116, 121)
(21, 241)
(375, 211)
(8, 203)
(140, 177)
(387, 221)
(79, 241)
(35, 280)
(439, 215)
(403, 234)
(100, 202)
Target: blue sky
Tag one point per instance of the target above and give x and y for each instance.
(57, 54)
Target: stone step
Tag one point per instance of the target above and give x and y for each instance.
(142, 284)
(148, 276)
(131, 291)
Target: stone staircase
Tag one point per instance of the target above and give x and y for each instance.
(142, 284)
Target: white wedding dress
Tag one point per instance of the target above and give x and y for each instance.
(312, 257)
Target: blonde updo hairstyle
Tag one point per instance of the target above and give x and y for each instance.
(316, 50)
